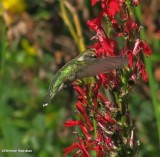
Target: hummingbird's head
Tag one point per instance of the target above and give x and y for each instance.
(88, 54)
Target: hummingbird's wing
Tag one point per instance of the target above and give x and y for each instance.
(101, 65)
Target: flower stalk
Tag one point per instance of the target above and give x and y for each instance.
(105, 123)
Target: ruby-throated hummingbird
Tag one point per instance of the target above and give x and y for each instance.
(84, 65)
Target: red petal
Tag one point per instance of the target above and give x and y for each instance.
(94, 2)
(112, 7)
(99, 49)
(70, 148)
(140, 67)
(82, 148)
(146, 48)
(79, 90)
(70, 123)
(80, 107)
(83, 112)
(130, 59)
(95, 23)
(109, 119)
(81, 93)
(102, 98)
(107, 44)
(144, 73)
(85, 131)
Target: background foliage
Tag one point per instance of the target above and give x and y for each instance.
(34, 43)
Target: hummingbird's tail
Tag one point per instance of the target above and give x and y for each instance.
(54, 87)
(47, 100)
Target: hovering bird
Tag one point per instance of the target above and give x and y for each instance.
(84, 65)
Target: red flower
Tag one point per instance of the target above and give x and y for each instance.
(141, 46)
(146, 48)
(83, 147)
(109, 119)
(81, 93)
(136, 49)
(141, 68)
(144, 73)
(84, 114)
(128, 26)
(99, 49)
(102, 98)
(99, 151)
(95, 24)
(94, 2)
(70, 123)
(70, 148)
(130, 59)
(85, 131)
(107, 44)
(110, 7)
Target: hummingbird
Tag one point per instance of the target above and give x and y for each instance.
(84, 65)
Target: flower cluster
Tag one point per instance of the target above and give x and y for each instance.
(105, 123)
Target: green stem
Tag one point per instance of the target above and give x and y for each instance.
(66, 20)
(3, 116)
(95, 128)
(77, 32)
(152, 83)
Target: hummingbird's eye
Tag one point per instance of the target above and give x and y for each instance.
(94, 56)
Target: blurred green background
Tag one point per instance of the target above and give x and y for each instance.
(34, 44)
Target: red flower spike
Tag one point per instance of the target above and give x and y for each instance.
(94, 2)
(89, 96)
